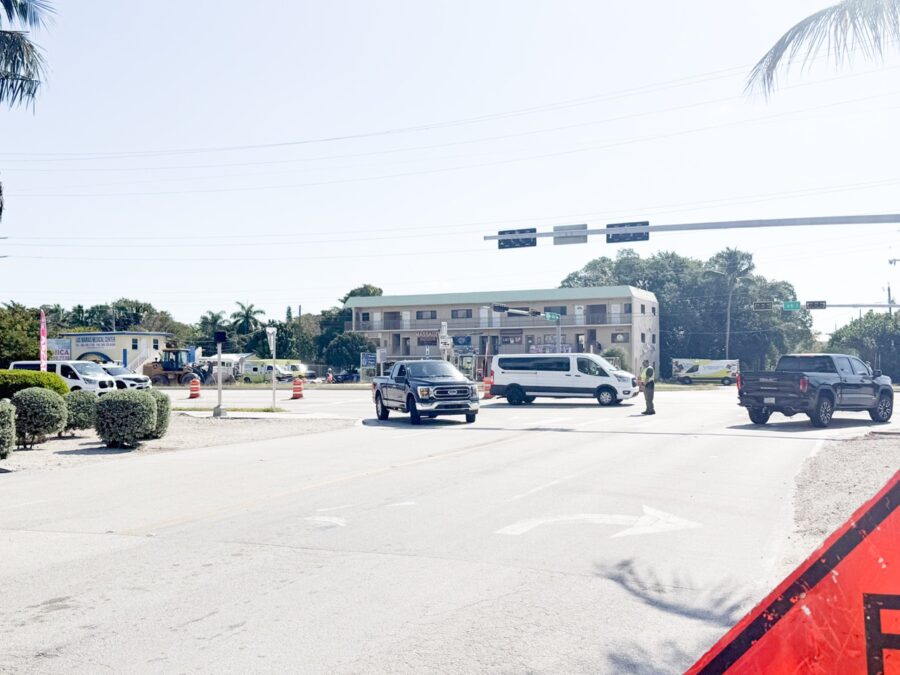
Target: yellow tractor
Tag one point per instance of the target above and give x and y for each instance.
(172, 368)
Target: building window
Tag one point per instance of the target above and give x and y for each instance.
(425, 314)
(653, 310)
(364, 316)
(560, 309)
(643, 309)
(653, 338)
(427, 341)
(628, 308)
(460, 313)
(134, 344)
(529, 340)
(155, 343)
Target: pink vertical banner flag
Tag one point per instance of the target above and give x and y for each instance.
(43, 342)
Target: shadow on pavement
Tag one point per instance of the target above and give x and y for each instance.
(799, 426)
(403, 423)
(719, 607)
(95, 450)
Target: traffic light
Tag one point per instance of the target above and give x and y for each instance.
(816, 304)
(518, 242)
(627, 236)
(500, 308)
(535, 312)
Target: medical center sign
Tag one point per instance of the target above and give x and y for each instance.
(94, 343)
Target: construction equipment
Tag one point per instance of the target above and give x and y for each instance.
(173, 368)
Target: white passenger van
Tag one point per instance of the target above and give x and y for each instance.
(523, 377)
(85, 375)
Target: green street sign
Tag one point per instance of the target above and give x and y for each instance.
(790, 306)
(551, 316)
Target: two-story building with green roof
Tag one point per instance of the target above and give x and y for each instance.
(591, 319)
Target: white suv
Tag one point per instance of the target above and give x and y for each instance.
(523, 377)
(85, 375)
(125, 379)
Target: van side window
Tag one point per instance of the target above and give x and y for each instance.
(27, 366)
(588, 367)
(559, 365)
(517, 364)
(68, 372)
(51, 367)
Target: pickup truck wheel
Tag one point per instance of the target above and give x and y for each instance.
(759, 415)
(414, 416)
(726, 381)
(529, 399)
(821, 416)
(470, 417)
(380, 409)
(685, 380)
(515, 395)
(606, 396)
(883, 409)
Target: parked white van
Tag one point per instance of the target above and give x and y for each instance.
(85, 375)
(523, 377)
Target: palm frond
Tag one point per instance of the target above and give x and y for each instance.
(33, 13)
(865, 25)
(21, 68)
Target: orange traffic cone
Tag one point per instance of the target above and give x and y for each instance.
(488, 382)
(195, 389)
(297, 389)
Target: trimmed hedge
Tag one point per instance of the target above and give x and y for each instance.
(39, 413)
(163, 412)
(82, 408)
(125, 417)
(7, 428)
(12, 381)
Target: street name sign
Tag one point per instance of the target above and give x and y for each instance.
(816, 304)
(790, 306)
(762, 306)
(518, 242)
(628, 236)
(839, 612)
(551, 316)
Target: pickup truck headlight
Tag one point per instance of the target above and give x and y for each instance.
(474, 392)
(424, 392)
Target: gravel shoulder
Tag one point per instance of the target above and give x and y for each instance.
(833, 484)
(185, 432)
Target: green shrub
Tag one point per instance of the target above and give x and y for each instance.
(7, 428)
(12, 381)
(82, 408)
(163, 408)
(125, 417)
(39, 412)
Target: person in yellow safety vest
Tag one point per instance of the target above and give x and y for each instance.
(648, 379)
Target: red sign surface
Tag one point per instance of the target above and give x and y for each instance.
(839, 612)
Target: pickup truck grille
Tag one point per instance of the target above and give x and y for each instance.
(449, 392)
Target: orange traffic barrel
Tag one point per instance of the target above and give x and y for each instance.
(297, 389)
(195, 389)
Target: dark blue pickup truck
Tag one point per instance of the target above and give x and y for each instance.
(816, 385)
(425, 389)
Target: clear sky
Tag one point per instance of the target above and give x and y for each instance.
(133, 176)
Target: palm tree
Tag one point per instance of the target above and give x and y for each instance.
(211, 322)
(244, 320)
(21, 63)
(734, 268)
(867, 25)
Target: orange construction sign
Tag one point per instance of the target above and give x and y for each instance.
(839, 612)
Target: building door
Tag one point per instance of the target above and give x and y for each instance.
(405, 346)
(580, 345)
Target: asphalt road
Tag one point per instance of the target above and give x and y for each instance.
(554, 538)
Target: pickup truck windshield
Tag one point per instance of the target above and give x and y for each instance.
(432, 369)
(805, 364)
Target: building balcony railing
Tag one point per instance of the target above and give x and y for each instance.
(501, 322)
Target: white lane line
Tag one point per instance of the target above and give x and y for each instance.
(401, 504)
(541, 487)
(19, 506)
(652, 521)
(335, 508)
(328, 520)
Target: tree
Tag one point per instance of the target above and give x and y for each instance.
(870, 25)
(20, 328)
(733, 267)
(244, 320)
(344, 350)
(874, 338)
(21, 63)
(288, 315)
(210, 323)
(366, 290)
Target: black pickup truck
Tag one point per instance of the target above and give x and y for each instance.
(816, 385)
(425, 389)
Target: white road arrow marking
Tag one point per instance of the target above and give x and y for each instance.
(327, 520)
(651, 522)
